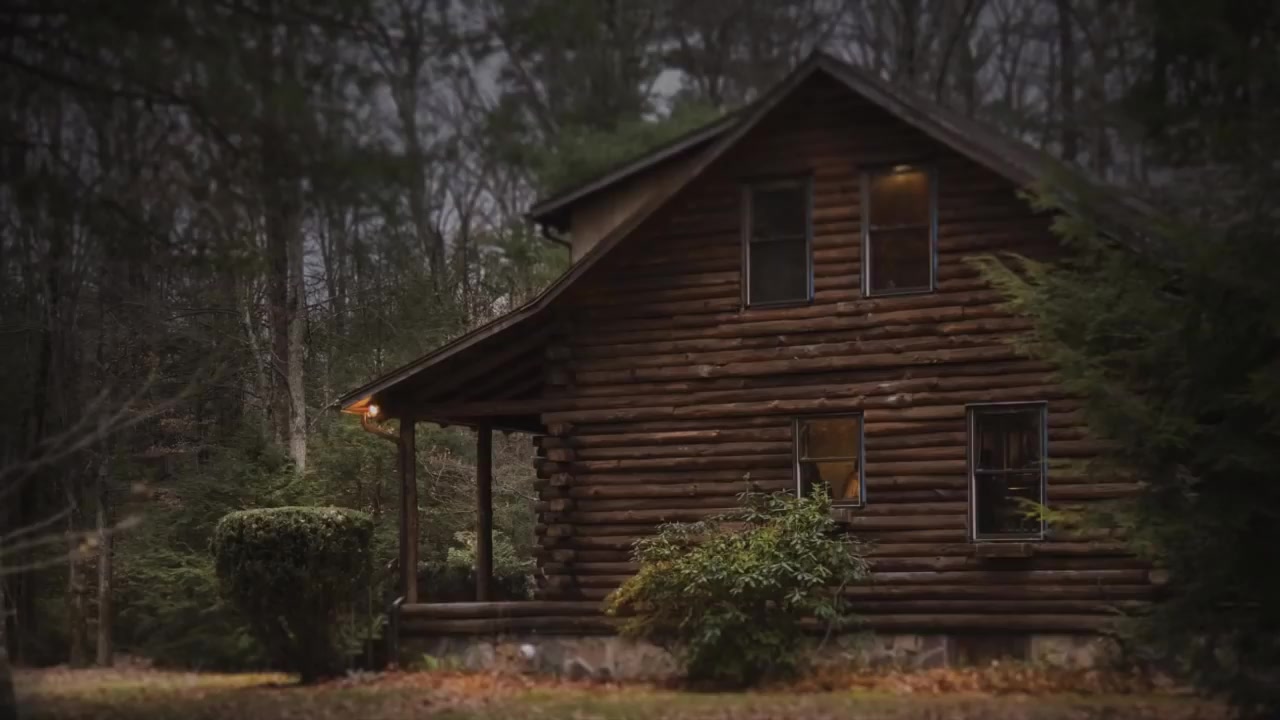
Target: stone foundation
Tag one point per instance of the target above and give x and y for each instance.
(574, 657)
(613, 658)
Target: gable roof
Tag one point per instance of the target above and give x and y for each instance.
(1019, 163)
(981, 142)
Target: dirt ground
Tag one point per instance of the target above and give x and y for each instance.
(998, 693)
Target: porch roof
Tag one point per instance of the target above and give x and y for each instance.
(493, 374)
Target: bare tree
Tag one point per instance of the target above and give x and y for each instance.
(105, 542)
(1067, 78)
(729, 52)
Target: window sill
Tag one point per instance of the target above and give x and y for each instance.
(843, 514)
(898, 293)
(777, 305)
(989, 550)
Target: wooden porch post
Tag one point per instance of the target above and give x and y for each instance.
(484, 511)
(408, 510)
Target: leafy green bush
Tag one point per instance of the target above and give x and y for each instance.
(728, 595)
(454, 580)
(294, 572)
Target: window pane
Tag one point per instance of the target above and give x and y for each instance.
(828, 448)
(779, 271)
(900, 259)
(899, 198)
(1008, 469)
(834, 437)
(999, 510)
(1008, 440)
(841, 477)
(779, 211)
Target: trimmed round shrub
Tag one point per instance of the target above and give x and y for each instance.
(295, 573)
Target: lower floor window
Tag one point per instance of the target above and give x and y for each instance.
(1007, 470)
(828, 452)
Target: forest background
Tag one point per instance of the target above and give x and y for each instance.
(217, 216)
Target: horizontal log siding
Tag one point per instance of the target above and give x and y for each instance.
(675, 399)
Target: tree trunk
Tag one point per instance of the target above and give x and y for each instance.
(258, 390)
(908, 39)
(431, 242)
(281, 176)
(297, 338)
(105, 614)
(405, 97)
(1067, 81)
(278, 311)
(77, 629)
(276, 175)
(8, 705)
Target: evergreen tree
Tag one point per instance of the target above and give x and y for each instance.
(1172, 334)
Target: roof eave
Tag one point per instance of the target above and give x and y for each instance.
(550, 210)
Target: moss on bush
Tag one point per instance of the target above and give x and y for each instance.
(294, 573)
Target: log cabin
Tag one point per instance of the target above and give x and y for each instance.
(779, 299)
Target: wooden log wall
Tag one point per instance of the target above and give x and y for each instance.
(671, 398)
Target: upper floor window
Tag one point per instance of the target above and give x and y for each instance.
(1007, 470)
(829, 451)
(899, 230)
(776, 240)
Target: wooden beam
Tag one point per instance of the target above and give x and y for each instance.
(409, 534)
(484, 511)
(550, 625)
(486, 408)
(512, 608)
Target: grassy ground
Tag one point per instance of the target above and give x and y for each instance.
(152, 695)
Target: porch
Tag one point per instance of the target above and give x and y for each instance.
(497, 378)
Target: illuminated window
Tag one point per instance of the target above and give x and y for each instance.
(1007, 470)
(898, 230)
(776, 256)
(829, 452)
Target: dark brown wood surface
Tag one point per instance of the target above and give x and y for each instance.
(664, 398)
